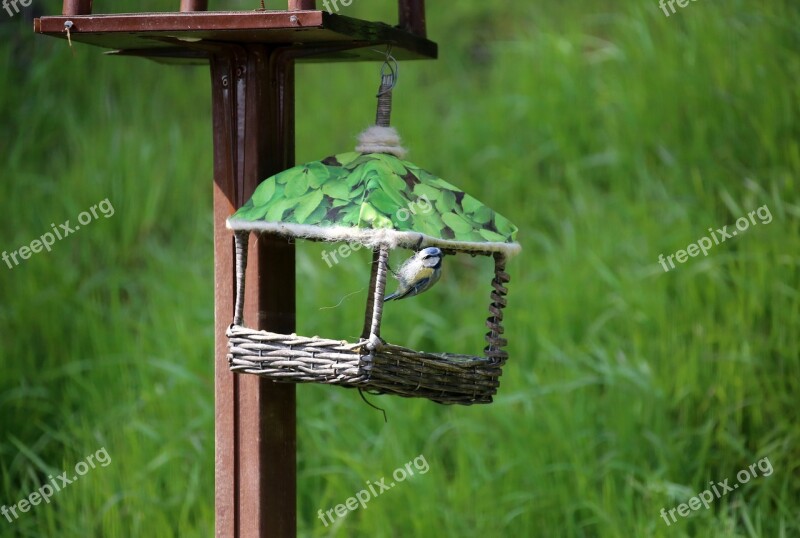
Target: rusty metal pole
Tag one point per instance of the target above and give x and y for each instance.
(253, 113)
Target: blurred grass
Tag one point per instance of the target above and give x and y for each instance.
(608, 132)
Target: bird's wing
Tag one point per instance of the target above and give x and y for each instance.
(409, 292)
(420, 286)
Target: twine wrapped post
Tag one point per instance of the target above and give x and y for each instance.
(495, 321)
(240, 239)
(383, 115)
(380, 286)
(370, 296)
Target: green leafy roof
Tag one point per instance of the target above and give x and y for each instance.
(373, 191)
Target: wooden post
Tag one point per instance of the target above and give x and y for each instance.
(412, 16)
(300, 5)
(76, 7)
(253, 109)
(194, 5)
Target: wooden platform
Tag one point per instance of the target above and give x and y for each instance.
(192, 36)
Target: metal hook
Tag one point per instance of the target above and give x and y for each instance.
(67, 27)
(390, 68)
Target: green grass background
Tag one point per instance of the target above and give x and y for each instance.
(607, 131)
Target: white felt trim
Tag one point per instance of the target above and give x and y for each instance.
(381, 140)
(371, 238)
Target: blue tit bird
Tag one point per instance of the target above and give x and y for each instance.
(418, 273)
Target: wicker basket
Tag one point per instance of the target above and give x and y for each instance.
(372, 364)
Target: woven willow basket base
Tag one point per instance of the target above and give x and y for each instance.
(442, 377)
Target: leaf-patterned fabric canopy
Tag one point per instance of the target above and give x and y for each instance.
(375, 199)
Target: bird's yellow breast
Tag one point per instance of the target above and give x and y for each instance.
(425, 272)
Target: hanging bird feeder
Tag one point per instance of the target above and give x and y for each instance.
(362, 197)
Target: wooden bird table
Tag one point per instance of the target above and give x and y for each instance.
(252, 56)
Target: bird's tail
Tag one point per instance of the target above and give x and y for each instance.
(390, 297)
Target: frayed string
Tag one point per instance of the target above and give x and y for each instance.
(373, 405)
